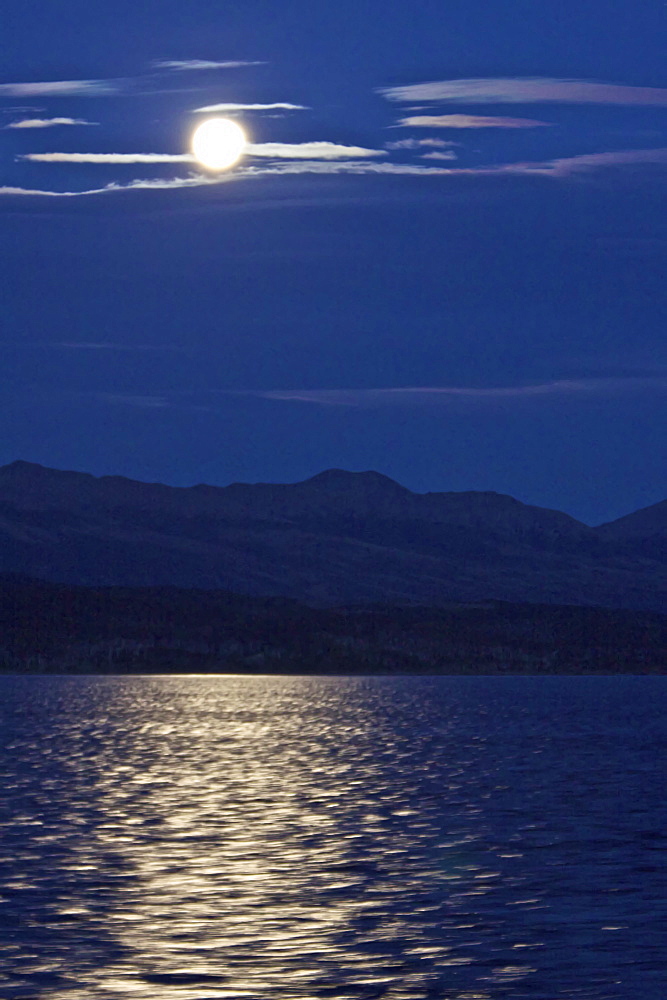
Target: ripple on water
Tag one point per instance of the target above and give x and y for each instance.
(199, 838)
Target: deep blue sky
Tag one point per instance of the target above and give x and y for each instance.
(490, 317)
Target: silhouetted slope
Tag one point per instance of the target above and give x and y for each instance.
(650, 522)
(337, 537)
(642, 534)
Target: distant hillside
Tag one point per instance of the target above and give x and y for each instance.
(63, 629)
(651, 522)
(339, 537)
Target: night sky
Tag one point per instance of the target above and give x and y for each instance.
(442, 256)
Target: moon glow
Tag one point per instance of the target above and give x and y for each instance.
(218, 143)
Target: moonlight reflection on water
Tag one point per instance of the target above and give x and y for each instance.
(406, 838)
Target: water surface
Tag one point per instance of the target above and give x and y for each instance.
(200, 838)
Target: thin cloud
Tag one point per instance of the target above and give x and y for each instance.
(126, 399)
(400, 396)
(310, 151)
(466, 121)
(106, 346)
(119, 158)
(341, 167)
(39, 193)
(525, 91)
(437, 154)
(139, 184)
(83, 345)
(266, 150)
(48, 122)
(61, 88)
(557, 168)
(246, 173)
(560, 168)
(566, 166)
(190, 65)
(420, 143)
(280, 105)
(23, 110)
(406, 395)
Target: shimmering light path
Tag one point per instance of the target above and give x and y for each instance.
(302, 838)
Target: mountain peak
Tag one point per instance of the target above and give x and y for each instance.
(341, 479)
(20, 466)
(33, 470)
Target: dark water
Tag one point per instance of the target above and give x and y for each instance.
(196, 838)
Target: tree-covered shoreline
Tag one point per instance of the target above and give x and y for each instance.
(54, 628)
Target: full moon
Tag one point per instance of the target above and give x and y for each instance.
(218, 143)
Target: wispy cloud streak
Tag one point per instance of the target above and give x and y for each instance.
(341, 167)
(311, 151)
(193, 65)
(525, 91)
(142, 402)
(420, 144)
(395, 397)
(83, 345)
(569, 165)
(48, 122)
(437, 154)
(407, 395)
(61, 88)
(139, 184)
(266, 150)
(119, 158)
(560, 168)
(357, 167)
(278, 106)
(467, 121)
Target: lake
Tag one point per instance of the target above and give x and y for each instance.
(297, 838)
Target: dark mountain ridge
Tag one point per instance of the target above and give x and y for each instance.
(338, 537)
